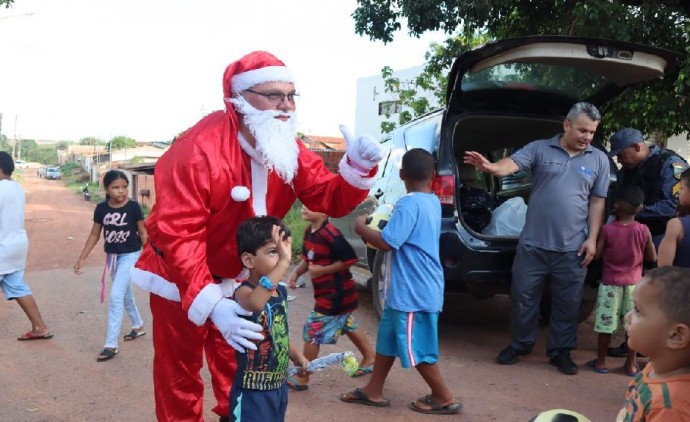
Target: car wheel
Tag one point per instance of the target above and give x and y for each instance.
(378, 277)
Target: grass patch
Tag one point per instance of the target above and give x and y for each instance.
(293, 220)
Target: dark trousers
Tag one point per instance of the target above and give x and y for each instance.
(532, 268)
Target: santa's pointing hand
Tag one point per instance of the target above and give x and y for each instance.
(363, 152)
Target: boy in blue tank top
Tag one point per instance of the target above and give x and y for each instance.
(674, 248)
(259, 391)
(408, 328)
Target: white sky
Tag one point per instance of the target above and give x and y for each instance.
(149, 69)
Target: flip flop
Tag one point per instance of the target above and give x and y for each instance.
(363, 370)
(631, 373)
(358, 397)
(134, 334)
(32, 336)
(107, 354)
(593, 364)
(434, 407)
(294, 384)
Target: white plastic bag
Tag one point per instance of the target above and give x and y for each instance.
(508, 219)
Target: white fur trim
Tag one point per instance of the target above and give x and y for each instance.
(259, 187)
(204, 302)
(353, 177)
(155, 284)
(248, 79)
(239, 193)
(259, 177)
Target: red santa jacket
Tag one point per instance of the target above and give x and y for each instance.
(191, 228)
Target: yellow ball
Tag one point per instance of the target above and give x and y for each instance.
(379, 218)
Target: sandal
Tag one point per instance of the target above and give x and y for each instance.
(134, 334)
(357, 396)
(434, 407)
(294, 384)
(107, 353)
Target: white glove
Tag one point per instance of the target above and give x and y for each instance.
(364, 152)
(237, 331)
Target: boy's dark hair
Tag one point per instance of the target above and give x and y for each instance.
(256, 232)
(673, 291)
(629, 199)
(418, 165)
(6, 163)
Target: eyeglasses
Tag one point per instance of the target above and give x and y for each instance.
(277, 97)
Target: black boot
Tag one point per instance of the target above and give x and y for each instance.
(618, 352)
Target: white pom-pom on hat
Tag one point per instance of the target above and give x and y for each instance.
(239, 193)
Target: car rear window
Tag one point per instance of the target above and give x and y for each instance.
(562, 80)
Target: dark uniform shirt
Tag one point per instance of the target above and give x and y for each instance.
(659, 177)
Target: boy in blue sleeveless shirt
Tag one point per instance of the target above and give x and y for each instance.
(259, 391)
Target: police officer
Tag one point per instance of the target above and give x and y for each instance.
(657, 171)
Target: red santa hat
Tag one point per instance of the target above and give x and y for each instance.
(255, 68)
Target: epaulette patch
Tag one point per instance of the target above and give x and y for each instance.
(678, 169)
(676, 190)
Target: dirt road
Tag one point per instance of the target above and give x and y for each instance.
(60, 380)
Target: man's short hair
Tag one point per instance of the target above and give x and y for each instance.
(255, 232)
(6, 163)
(418, 165)
(673, 291)
(583, 108)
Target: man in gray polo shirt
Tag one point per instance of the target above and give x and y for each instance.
(570, 181)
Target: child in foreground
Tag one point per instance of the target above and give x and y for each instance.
(674, 248)
(623, 245)
(659, 327)
(408, 328)
(328, 256)
(259, 391)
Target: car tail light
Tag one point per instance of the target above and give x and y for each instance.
(444, 188)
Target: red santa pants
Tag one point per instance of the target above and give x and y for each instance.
(179, 345)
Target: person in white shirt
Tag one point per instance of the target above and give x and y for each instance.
(14, 247)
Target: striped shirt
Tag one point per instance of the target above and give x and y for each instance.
(334, 293)
(656, 399)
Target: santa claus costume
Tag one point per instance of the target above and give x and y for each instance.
(209, 181)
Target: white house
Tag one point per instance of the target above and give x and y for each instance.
(373, 102)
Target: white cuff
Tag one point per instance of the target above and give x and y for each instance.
(204, 302)
(354, 177)
(155, 284)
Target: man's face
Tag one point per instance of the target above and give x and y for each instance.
(631, 156)
(579, 132)
(259, 97)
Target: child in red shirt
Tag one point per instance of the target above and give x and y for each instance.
(327, 256)
(623, 245)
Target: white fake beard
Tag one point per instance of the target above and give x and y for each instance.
(275, 138)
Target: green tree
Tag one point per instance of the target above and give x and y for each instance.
(7, 3)
(657, 106)
(122, 142)
(90, 140)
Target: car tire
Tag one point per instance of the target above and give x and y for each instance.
(378, 277)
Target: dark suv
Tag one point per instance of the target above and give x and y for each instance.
(500, 97)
